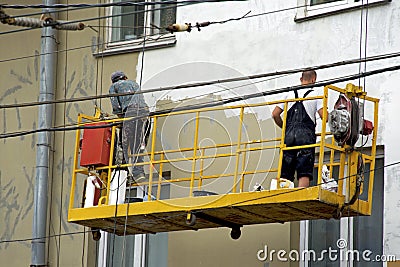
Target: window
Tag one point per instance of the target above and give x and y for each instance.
(309, 9)
(318, 2)
(360, 233)
(130, 25)
(143, 250)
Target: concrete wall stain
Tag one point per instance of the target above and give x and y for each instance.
(64, 167)
(21, 78)
(18, 119)
(29, 194)
(33, 143)
(12, 206)
(4, 124)
(10, 92)
(9, 207)
(16, 201)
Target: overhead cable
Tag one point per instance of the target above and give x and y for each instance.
(62, 24)
(213, 104)
(178, 4)
(212, 82)
(76, 48)
(122, 3)
(44, 21)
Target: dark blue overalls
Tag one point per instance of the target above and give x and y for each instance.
(300, 130)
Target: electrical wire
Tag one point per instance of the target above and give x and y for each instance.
(245, 16)
(212, 82)
(102, 62)
(214, 103)
(122, 3)
(60, 11)
(226, 89)
(63, 142)
(98, 18)
(305, 188)
(115, 219)
(137, 145)
(177, 5)
(362, 64)
(174, 4)
(54, 11)
(180, 215)
(83, 246)
(67, 50)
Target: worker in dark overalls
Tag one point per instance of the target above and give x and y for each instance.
(300, 130)
(135, 130)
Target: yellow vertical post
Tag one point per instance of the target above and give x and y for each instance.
(282, 144)
(76, 155)
(196, 138)
(332, 157)
(341, 172)
(373, 155)
(160, 173)
(110, 162)
(243, 168)
(238, 150)
(352, 176)
(201, 168)
(323, 134)
(346, 181)
(153, 147)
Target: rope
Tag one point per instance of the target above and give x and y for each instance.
(140, 141)
(115, 219)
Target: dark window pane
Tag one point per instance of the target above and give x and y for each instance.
(162, 16)
(368, 230)
(116, 247)
(128, 26)
(318, 2)
(156, 245)
(322, 235)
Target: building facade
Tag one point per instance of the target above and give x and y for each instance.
(274, 36)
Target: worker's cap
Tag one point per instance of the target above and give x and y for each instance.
(116, 76)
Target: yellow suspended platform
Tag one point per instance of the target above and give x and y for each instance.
(180, 176)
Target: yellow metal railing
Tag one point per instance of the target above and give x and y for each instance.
(157, 159)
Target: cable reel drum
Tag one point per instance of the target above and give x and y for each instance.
(344, 121)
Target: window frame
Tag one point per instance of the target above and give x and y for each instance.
(346, 226)
(139, 247)
(306, 12)
(141, 241)
(135, 45)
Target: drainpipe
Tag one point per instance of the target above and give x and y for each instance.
(44, 143)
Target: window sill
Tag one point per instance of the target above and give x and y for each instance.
(304, 15)
(137, 46)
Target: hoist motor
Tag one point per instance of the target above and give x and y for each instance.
(346, 121)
